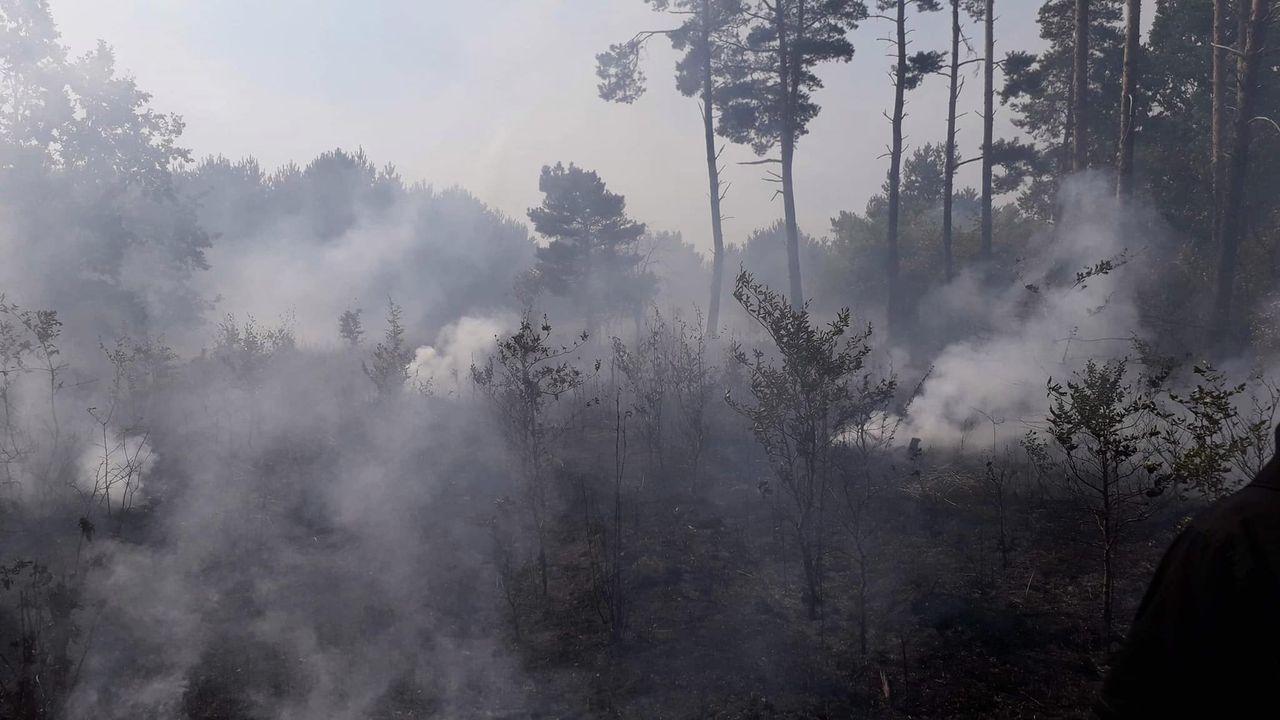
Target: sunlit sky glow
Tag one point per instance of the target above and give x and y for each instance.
(482, 93)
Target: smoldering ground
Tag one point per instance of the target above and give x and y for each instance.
(308, 559)
(1075, 297)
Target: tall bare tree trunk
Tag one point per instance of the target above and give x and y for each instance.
(789, 217)
(787, 86)
(988, 125)
(1129, 97)
(949, 181)
(895, 171)
(713, 176)
(1080, 90)
(1249, 68)
(1218, 129)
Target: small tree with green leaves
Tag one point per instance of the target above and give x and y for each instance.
(246, 348)
(1219, 434)
(645, 373)
(389, 370)
(31, 346)
(526, 372)
(766, 100)
(15, 346)
(707, 32)
(809, 390)
(1102, 439)
(592, 255)
(350, 328)
(691, 384)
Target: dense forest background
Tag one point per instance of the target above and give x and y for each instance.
(319, 441)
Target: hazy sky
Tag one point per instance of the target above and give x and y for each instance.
(482, 93)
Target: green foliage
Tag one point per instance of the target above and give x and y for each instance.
(29, 347)
(646, 374)
(769, 93)
(528, 371)
(919, 65)
(389, 370)
(1103, 267)
(593, 255)
(704, 37)
(1105, 431)
(621, 79)
(1214, 446)
(806, 398)
(86, 172)
(1038, 87)
(246, 348)
(350, 328)
(27, 332)
(1103, 440)
(692, 382)
(1174, 162)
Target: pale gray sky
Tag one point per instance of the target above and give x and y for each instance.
(482, 93)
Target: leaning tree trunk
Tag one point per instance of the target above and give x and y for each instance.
(949, 181)
(895, 173)
(988, 125)
(1128, 97)
(1250, 66)
(713, 177)
(1080, 90)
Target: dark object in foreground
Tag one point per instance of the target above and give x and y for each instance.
(1206, 639)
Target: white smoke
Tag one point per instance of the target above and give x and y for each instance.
(460, 344)
(987, 389)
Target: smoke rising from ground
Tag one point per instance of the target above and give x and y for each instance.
(338, 234)
(313, 552)
(446, 365)
(1043, 326)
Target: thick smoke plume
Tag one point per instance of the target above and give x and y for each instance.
(1076, 298)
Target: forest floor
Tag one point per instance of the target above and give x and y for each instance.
(716, 627)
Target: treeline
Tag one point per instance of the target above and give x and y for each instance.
(1176, 123)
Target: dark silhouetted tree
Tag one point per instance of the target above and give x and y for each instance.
(1218, 120)
(1104, 445)
(526, 372)
(350, 328)
(954, 85)
(1252, 44)
(1041, 88)
(389, 369)
(908, 72)
(988, 14)
(704, 37)
(804, 399)
(593, 254)
(1129, 83)
(768, 101)
(1080, 89)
